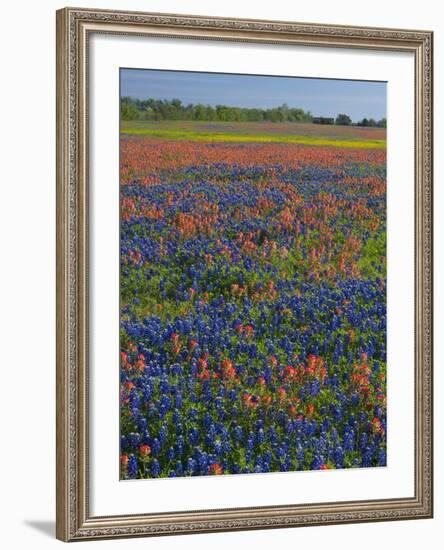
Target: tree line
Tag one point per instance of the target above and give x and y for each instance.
(345, 120)
(164, 109)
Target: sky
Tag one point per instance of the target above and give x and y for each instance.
(322, 97)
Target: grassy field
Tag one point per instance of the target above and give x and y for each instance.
(260, 132)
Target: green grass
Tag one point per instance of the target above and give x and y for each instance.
(372, 252)
(309, 134)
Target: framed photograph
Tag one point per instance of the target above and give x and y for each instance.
(244, 274)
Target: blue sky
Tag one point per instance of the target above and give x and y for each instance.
(322, 97)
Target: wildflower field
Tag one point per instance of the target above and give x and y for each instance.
(253, 298)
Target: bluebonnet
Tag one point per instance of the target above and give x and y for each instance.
(257, 290)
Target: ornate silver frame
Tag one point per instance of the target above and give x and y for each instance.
(73, 519)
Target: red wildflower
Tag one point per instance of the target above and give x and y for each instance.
(267, 399)
(250, 400)
(261, 381)
(140, 364)
(290, 371)
(145, 450)
(203, 375)
(377, 426)
(216, 469)
(192, 344)
(226, 364)
(282, 393)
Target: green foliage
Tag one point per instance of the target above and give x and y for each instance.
(372, 123)
(373, 252)
(163, 109)
(343, 120)
(128, 111)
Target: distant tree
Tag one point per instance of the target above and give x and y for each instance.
(343, 120)
(255, 115)
(128, 111)
(285, 112)
(276, 115)
(363, 122)
(221, 112)
(323, 120)
(372, 123)
(199, 112)
(299, 115)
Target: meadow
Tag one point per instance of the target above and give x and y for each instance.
(254, 132)
(253, 298)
